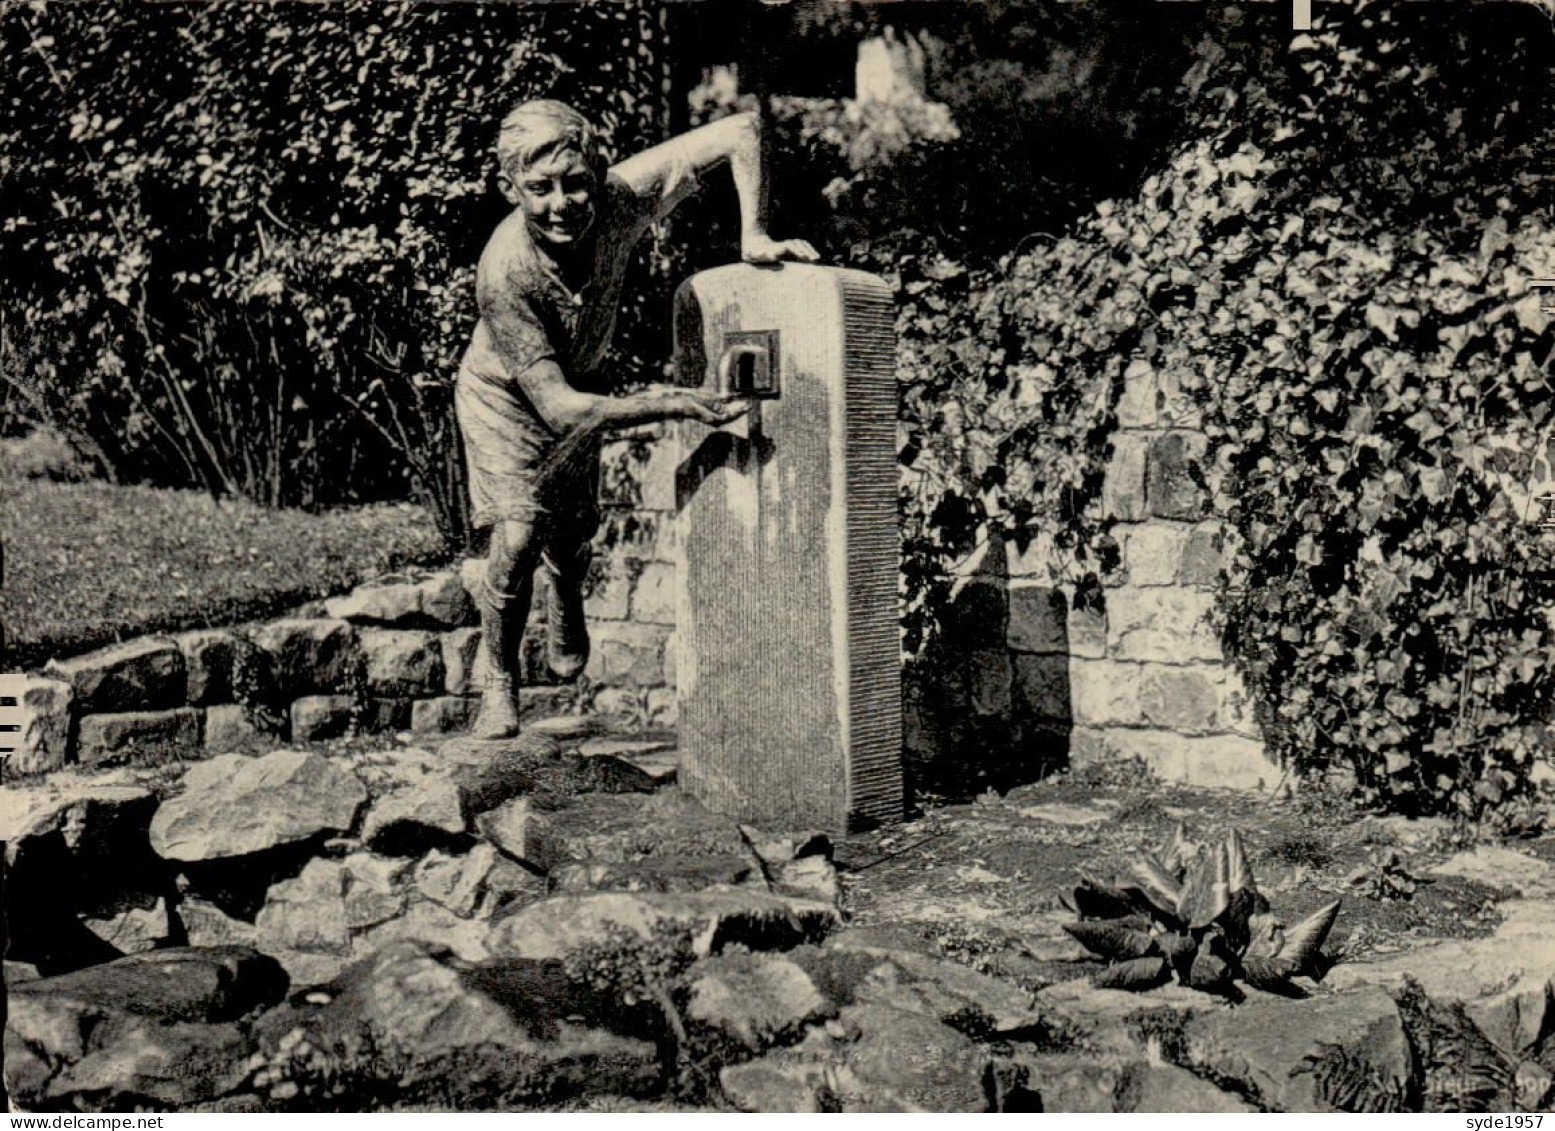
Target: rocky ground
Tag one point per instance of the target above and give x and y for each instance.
(550, 923)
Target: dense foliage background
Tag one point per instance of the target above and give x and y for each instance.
(242, 237)
(241, 240)
(1333, 264)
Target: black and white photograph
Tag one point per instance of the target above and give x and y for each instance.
(777, 556)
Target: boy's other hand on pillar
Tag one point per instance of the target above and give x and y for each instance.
(762, 248)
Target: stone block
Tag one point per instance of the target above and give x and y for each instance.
(1175, 407)
(229, 730)
(456, 883)
(234, 806)
(1203, 555)
(622, 702)
(1087, 632)
(45, 709)
(208, 658)
(309, 656)
(1165, 623)
(1216, 761)
(1040, 559)
(133, 929)
(611, 597)
(989, 677)
(444, 601)
(663, 707)
(395, 602)
(404, 662)
(1184, 699)
(1137, 406)
(1105, 692)
(1039, 618)
(1256, 1047)
(1153, 552)
(755, 1000)
(1234, 711)
(138, 675)
(445, 714)
(111, 735)
(383, 715)
(671, 658)
(462, 657)
(1175, 476)
(1229, 761)
(1123, 488)
(657, 477)
(661, 540)
(307, 913)
(1041, 686)
(412, 816)
(653, 596)
(627, 654)
(317, 717)
(977, 615)
(437, 601)
(543, 701)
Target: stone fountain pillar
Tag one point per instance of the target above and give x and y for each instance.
(788, 656)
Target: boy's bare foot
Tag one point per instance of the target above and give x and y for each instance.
(567, 636)
(498, 717)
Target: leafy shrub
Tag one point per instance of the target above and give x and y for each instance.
(246, 234)
(1334, 268)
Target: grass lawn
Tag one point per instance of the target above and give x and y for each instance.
(90, 563)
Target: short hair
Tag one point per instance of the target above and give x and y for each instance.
(535, 130)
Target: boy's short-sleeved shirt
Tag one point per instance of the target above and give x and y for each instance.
(505, 438)
(575, 326)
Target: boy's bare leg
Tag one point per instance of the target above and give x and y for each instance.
(567, 638)
(507, 586)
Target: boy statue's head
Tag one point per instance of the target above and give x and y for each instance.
(550, 165)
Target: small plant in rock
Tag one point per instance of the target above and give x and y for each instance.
(634, 970)
(1384, 878)
(1194, 913)
(305, 1073)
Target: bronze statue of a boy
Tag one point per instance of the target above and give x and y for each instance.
(548, 287)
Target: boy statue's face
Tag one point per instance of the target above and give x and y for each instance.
(557, 196)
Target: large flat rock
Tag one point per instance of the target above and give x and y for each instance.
(614, 828)
(77, 809)
(706, 921)
(756, 1000)
(163, 1065)
(1297, 1055)
(138, 675)
(200, 984)
(491, 1035)
(857, 969)
(872, 1059)
(233, 806)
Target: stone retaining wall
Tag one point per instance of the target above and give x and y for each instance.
(1142, 676)
(395, 655)
(1024, 677)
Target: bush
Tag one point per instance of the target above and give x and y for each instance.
(245, 235)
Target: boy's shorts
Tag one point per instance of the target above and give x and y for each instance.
(505, 447)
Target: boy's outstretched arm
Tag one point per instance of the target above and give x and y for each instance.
(737, 140)
(526, 355)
